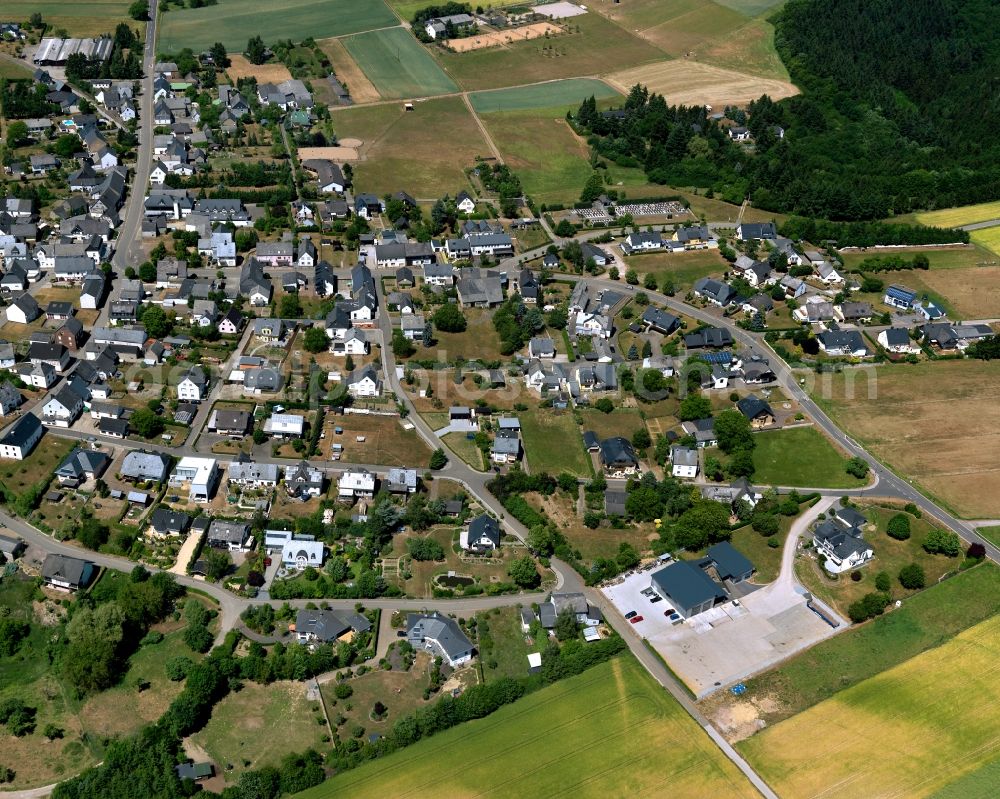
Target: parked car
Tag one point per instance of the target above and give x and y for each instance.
(675, 618)
(656, 599)
(635, 619)
(631, 614)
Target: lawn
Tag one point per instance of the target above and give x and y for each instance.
(465, 448)
(931, 720)
(606, 732)
(479, 340)
(553, 444)
(988, 238)
(570, 93)
(991, 534)
(890, 556)
(83, 18)
(552, 162)
(930, 619)
(593, 45)
(397, 64)
(620, 422)
(683, 268)
(12, 70)
(942, 438)
(402, 150)
(38, 466)
(962, 215)
(508, 655)
(233, 22)
(259, 725)
(800, 456)
(386, 441)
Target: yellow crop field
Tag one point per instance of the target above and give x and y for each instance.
(907, 732)
(962, 215)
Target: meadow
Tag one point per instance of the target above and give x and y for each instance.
(800, 456)
(402, 150)
(348, 72)
(961, 215)
(989, 238)
(943, 438)
(608, 731)
(683, 268)
(552, 443)
(83, 18)
(933, 717)
(569, 92)
(397, 64)
(593, 45)
(552, 162)
(233, 22)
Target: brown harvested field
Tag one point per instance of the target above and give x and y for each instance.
(442, 383)
(348, 72)
(240, 67)
(935, 422)
(499, 38)
(386, 441)
(342, 153)
(692, 83)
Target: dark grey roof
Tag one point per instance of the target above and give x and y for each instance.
(443, 630)
(660, 319)
(24, 430)
(686, 584)
(897, 336)
(618, 451)
(81, 462)
(167, 520)
(614, 503)
(729, 562)
(851, 517)
(66, 569)
(485, 526)
(752, 407)
(329, 625)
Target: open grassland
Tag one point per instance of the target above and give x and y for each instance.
(272, 72)
(750, 50)
(800, 456)
(260, 724)
(930, 619)
(80, 18)
(479, 340)
(14, 70)
(397, 64)
(684, 82)
(620, 422)
(549, 158)
(961, 215)
(988, 238)
(570, 93)
(233, 22)
(610, 731)
(683, 268)
(552, 443)
(937, 423)
(934, 719)
(386, 441)
(592, 45)
(991, 533)
(403, 150)
(18, 476)
(465, 448)
(348, 72)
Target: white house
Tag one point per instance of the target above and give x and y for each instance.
(465, 203)
(20, 440)
(364, 383)
(842, 544)
(62, 408)
(202, 475)
(897, 339)
(356, 485)
(298, 554)
(193, 385)
(684, 462)
(284, 425)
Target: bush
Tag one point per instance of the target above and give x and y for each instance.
(177, 668)
(912, 577)
(868, 607)
(942, 542)
(198, 638)
(343, 691)
(975, 552)
(856, 576)
(883, 582)
(765, 523)
(858, 467)
(899, 527)
(424, 549)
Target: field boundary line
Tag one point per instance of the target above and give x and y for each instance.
(482, 128)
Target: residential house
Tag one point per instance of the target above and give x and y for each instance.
(715, 291)
(756, 411)
(201, 475)
(299, 554)
(402, 481)
(854, 312)
(354, 485)
(898, 297)
(80, 466)
(841, 541)
(10, 399)
(141, 467)
(541, 347)
(228, 422)
(67, 573)
(683, 462)
(193, 387)
(618, 457)
(593, 325)
(326, 626)
(465, 203)
(247, 474)
(303, 480)
(660, 321)
(228, 535)
(708, 338)
(18, 442)
(897, 339)
(284, 425)
(575, 603)
(365, 383)
(756, 231)
(62, 408)
(23, 310)
(506, 447)
(441, 636)
(842, 342)
(479, 288)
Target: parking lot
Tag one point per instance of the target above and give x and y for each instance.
(728, 643)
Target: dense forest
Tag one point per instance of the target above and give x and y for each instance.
(896, 114)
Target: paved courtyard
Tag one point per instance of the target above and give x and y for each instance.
(729, 642)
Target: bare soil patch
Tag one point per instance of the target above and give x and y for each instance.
(691, 83)
(240, 67)
(503, 37)
(349, 73)
(329, 153)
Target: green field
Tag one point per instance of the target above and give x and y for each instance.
(405, 151)
(683, 268)
(979, 784)
(233, 22)
(931, 618)
(991, 534)
(595, 46)
(569, 93)
(549, 158)
(552, 443)
(78, 18)
(610, 731)
(906, 732)
(988, 238)
(397, 64)
(800, 456)
(962, 215)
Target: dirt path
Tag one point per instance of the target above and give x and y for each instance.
(482, 128)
